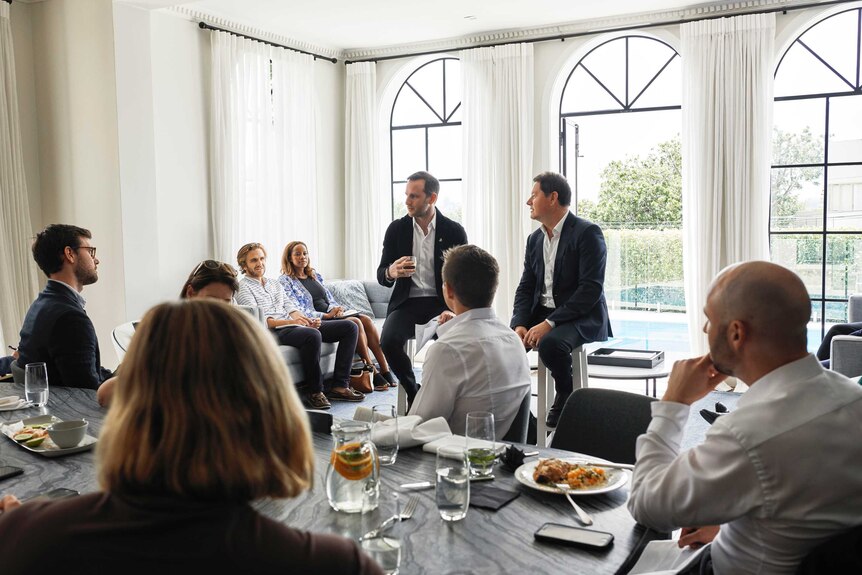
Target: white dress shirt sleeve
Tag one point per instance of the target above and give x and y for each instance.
(710, 484)
(442, 374)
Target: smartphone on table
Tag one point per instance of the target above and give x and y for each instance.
(58, 493)
(7, 471)
(576, 536)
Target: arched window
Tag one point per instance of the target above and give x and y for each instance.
(619, 127)
(815, 222)
(425, 133)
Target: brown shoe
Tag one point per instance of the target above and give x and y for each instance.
(317, 401)
(344, 394)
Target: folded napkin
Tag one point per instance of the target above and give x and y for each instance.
(13, 402)
(411, 430)
(490, 497)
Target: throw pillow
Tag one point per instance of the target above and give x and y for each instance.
(351, 294)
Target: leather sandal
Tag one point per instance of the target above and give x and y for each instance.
(380, 383)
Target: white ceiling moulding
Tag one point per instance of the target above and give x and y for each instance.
(595, 26)
(220, 22)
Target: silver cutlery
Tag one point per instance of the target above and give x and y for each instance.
(405, 514)
(582, 515)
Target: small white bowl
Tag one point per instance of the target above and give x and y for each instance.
(66, 434)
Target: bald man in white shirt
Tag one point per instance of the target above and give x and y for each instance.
(780, 474)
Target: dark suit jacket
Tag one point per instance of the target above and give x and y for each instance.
(57, 331)
(579, 277)
(398, 242)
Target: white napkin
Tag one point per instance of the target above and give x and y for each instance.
(9, 400)
(12, 403)
(412, 429)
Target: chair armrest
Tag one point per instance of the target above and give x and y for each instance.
(846, 355)
(854, 308)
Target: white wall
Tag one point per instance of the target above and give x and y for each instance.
(76, 114)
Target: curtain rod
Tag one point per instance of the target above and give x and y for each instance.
(205, 26)
(563, 37)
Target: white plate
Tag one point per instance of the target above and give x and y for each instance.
(616, 479)
(48, 447)
(22, 404)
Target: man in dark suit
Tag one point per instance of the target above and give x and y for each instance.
(56, 328)
(560, 302)
(412, 260)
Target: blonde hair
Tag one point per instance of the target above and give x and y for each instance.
(287, 266)
(205, 409)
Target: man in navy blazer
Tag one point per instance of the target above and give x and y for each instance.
(56, 328)
(560, 301)
(423, 234)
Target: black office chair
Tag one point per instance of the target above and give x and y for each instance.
(319, 421)
(603, 422)
(841, 554)
(518, 431)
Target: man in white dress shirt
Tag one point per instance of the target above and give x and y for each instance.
(780, 474)
(477, 363)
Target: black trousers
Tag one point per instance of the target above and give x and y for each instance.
(308, 341)
(556, 348)
(400, 326)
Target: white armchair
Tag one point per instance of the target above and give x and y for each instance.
(846, 350)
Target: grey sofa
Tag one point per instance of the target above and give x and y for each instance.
(363, 295)
(846, 350)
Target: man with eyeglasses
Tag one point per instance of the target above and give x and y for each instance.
(56, 329)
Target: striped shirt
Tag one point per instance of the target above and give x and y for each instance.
(268, 296)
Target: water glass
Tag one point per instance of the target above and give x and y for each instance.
(36, 383)
(385, 437)
(384, 546)
(480, 429)
(453, 483)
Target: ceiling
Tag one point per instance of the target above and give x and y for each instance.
(354, 24)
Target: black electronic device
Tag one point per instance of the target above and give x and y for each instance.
(7, 471)
(58, 493)
(577, 536)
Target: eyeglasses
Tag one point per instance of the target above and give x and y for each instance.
(214, 265)
(90, 249)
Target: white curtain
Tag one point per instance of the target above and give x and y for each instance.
(727, 68)
(263, 160)
(497, 136)
(18, 282)
(363, 205)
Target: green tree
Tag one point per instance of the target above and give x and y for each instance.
(793, 148)
(642, 191)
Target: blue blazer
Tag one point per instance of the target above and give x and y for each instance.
(296, 294)
(57, 331)
(398, 242)
(579, 277)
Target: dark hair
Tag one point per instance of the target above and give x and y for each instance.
(242, 254)
(472, 273)
(550, 182)
(208, 272)
(51, 242)
(432, 185)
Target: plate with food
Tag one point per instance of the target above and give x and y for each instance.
(32, 435)
(570, 475)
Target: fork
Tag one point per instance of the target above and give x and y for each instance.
(582, 515)
(406, 513)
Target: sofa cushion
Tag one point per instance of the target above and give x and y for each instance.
(379, 296)
(351, 295)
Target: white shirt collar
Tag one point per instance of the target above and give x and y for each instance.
(558, 229)
(432, 225)
(470, 314)
(802, 370)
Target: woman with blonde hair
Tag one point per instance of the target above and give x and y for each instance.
(206, 421)
(305, 290)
